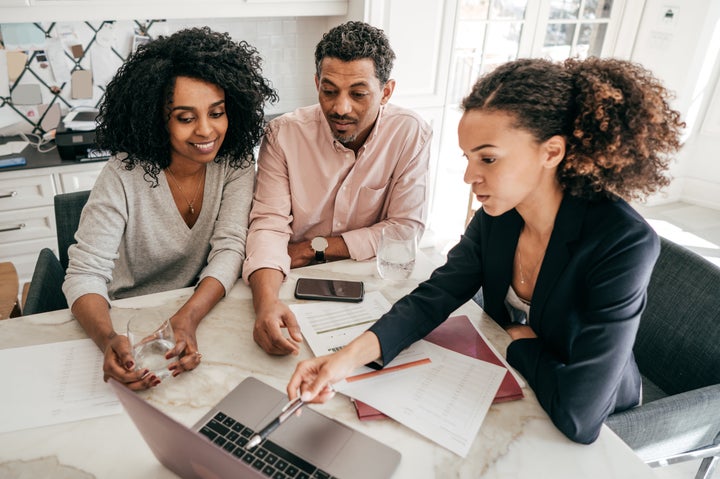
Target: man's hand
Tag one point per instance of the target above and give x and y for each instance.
(270, 318)
(301, 254)
(271, 314)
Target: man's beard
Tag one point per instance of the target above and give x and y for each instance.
(347, 137)
(344, 139)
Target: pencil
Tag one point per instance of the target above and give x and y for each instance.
(391, 369)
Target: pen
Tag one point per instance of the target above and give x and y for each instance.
(287, 411)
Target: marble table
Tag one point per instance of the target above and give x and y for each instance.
(516, 439)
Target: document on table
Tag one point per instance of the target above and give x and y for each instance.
(439, 393)
(445, 400)
(328, 326)
(53, 383)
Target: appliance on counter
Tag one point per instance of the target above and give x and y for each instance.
(75, 136)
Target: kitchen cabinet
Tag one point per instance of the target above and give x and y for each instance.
(78, 10)
(27, 212)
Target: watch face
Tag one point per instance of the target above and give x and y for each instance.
(319, 243)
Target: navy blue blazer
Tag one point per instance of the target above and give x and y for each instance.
(585, 310)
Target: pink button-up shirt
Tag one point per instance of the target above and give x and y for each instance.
(309, 184)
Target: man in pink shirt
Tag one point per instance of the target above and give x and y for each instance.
(332, 175)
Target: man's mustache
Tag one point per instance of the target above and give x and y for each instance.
(342, 118)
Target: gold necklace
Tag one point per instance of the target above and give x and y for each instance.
(191, 204)
(520, 268)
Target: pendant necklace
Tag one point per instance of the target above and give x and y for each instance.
(191, 204)
(520, 268)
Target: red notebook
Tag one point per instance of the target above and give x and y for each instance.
(458, 334)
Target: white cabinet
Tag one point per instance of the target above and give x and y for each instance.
(420, 32)
(27, 212)
(78, 10)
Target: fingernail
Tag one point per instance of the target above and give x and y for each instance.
(130, 365)
(306, 396)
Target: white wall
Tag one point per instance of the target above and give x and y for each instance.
(684, 53)
(286, 44)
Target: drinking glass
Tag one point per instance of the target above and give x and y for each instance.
(150, 339)
(396, 253)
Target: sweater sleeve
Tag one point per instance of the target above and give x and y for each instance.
(101, 228)
(227, 243)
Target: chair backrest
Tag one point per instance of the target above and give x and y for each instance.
(678, 342)
(68, 207)
(45, 291)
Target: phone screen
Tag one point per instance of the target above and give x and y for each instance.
(329, 289)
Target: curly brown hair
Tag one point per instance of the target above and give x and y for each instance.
(614, 115)
(355, 41)
(134, 112)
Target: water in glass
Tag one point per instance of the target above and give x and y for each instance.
(151, 338)
(396, 253)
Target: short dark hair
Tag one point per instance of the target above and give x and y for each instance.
(133, 113)
(355, 41)
(615, 117)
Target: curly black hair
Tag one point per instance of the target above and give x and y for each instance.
(354, 41)
(614, 115)
(134, 111)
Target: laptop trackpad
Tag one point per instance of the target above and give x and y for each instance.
(313, 437)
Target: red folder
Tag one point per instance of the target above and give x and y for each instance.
(458, 334)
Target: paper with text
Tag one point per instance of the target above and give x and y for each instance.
(445, 401)
(328, 326)
(53, 383)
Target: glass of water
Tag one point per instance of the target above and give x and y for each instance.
(150, 339)
(396, 252)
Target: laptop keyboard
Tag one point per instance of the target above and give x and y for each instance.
(270, 459)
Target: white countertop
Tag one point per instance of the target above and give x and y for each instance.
(516, 439)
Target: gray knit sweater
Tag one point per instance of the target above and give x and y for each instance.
(132, 239)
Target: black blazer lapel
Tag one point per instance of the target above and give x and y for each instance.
(567, 228)
(502, 237)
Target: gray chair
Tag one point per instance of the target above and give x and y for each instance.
(678, 353)
(45, 291)
(68, 207)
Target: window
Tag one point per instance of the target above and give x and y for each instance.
(488, 33)
(576, 28)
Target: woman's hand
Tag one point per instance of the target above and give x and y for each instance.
(186, 349)
(313, 378)
(520, 332)
(120, 365)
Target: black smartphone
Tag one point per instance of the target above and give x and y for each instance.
(329, 289)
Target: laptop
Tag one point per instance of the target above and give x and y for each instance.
(308, 446)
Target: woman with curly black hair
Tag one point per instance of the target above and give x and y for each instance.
(553, 151)
(170, 209)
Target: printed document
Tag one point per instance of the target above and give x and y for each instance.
(445, 401)
(328, 325)
(439, 393)
(54, 383)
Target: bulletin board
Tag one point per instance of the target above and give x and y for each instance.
(51, 68)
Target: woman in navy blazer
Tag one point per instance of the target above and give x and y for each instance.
(553, 151)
